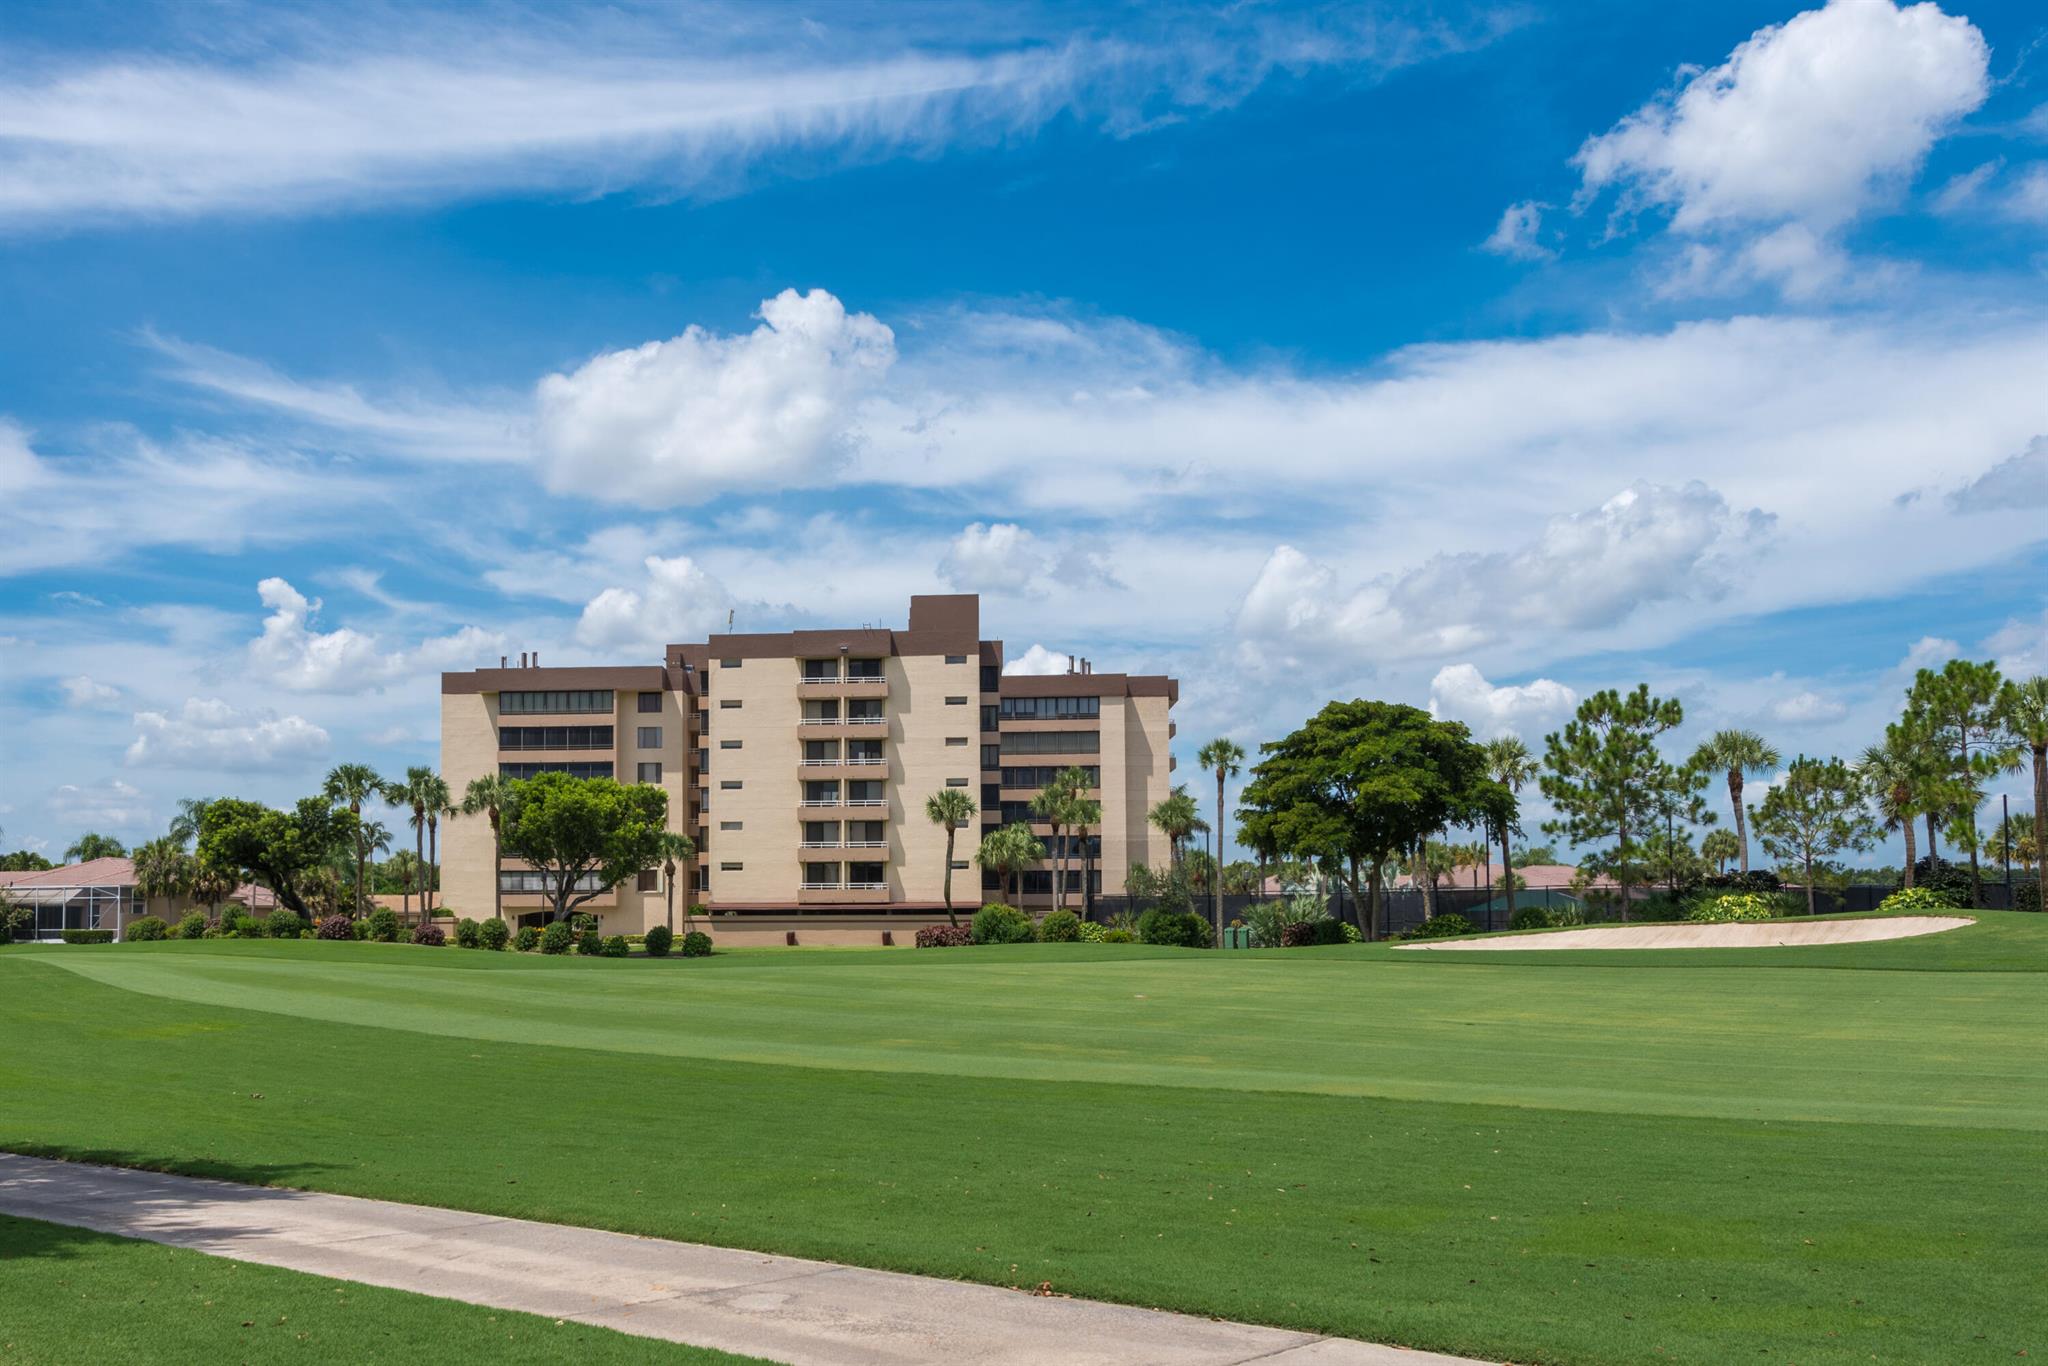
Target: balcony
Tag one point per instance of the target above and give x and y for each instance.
(867, 801)
(840, 686)
(843, 894)
(822, 801)
(821, 844)
(865, 844)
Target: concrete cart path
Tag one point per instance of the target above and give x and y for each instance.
(802, 1312)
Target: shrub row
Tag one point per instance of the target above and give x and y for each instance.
(1909, 899)
(944, 937)
(1736, 906)
(88, 936)
(147, 929)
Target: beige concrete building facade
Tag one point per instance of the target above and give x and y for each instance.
(800, 763)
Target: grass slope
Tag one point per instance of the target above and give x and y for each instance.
(77, 1296)
(1639, 1185)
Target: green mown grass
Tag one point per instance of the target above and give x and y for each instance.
(1519, 1159)
(76, 1296)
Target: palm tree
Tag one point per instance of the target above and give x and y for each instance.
(1509, 763)
(2024, 708)
(952, 808)
(1007, 852)
(354, 784)
(440, 803)
(185, 825)
(1739, 752)
(1719, 846)
(405, 866)
(1892, 771)
(416, 794)
(162, 869)
(90, 846)
(1225, 758)
(1048, 805)
(486, 796)
(1176, 817)
(213, 883)
(672, 850)
(1081, 813)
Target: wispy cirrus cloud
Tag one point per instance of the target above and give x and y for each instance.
(660, 103)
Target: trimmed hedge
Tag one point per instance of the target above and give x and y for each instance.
(590, 943)
(193, 926)
(616, 947)
(147, 929)
(492, 934)
(996, 923)
(1061, 927)
(283, 923)
(696, 944)
(944, 937)
(88, 936)
(468, 934)
(1529, 918)
(1447, 925)
(557, 938)
(1174, 929)
(527, 940)
(1114, 935)
(383, 924)
(659, 941)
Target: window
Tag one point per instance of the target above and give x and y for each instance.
(650, 880)
(566, 703)
(1049, 708)
(864, 710)
(554, 737)
(650, 704)
(870, 833)
(1052, 742)
(956, 659)
(991, 678)
(863, 668)
(1038, 775)
(991, 756)
(729, 785)
(821, 751)
(956, 740)
(864, 875)
(523, 771)
(728, 702)
(990, 717)
(991, 800)
(821, 875)
(960, 863)
(535, 881)
(821, 670)
(728, 663)
(731, 825)
(864, 751)
(650, 773)
(865, 793)
(704, 759)
(731, 867)
(821, 793)
(728, 744)
(956, 782)
(649, 737)
(956, 701)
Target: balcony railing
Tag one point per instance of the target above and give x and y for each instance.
(822, 844)
(865, 844)
(867, 801)
(820, 886)
(820, 801)
(843, 721)
(866, 886)
(824, 763)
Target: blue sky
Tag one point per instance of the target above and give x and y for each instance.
(1477, 356)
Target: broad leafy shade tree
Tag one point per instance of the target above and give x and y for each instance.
(1820, 809)
(1360, 783)
(1608, 780)
(573, 829)
(1956, 709)
(274, 847)
(1739, 753)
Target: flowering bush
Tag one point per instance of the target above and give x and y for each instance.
(1916, 899)
(944, 937)
(337, 927)
(431, 935)
(1736, 906)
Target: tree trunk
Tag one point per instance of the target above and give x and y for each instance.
(951, 919)
(1809, 877)
(1933, 850)
(1621, 868)
(670, 875)
(1216, 857)
(419, 845)
(2040, 817)
(1507, 872)
(1741, 827)
(498, 878)
(433, 856)
(1372, 905)
(1906, 826)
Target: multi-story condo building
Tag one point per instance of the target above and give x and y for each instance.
(800, 763)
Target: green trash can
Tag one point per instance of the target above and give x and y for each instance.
(1237, 937)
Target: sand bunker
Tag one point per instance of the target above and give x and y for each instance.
(1769, 934)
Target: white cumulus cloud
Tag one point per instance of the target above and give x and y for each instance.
(1036, 660)
(1808, 708)
(701, 414)
(2018, 481)
(1459, 692)
(1519, 232)
(292, 654)
(679, 601)
(209, 733)
(81, 690)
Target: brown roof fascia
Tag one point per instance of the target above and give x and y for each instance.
(618, 677)
(1092, 685)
